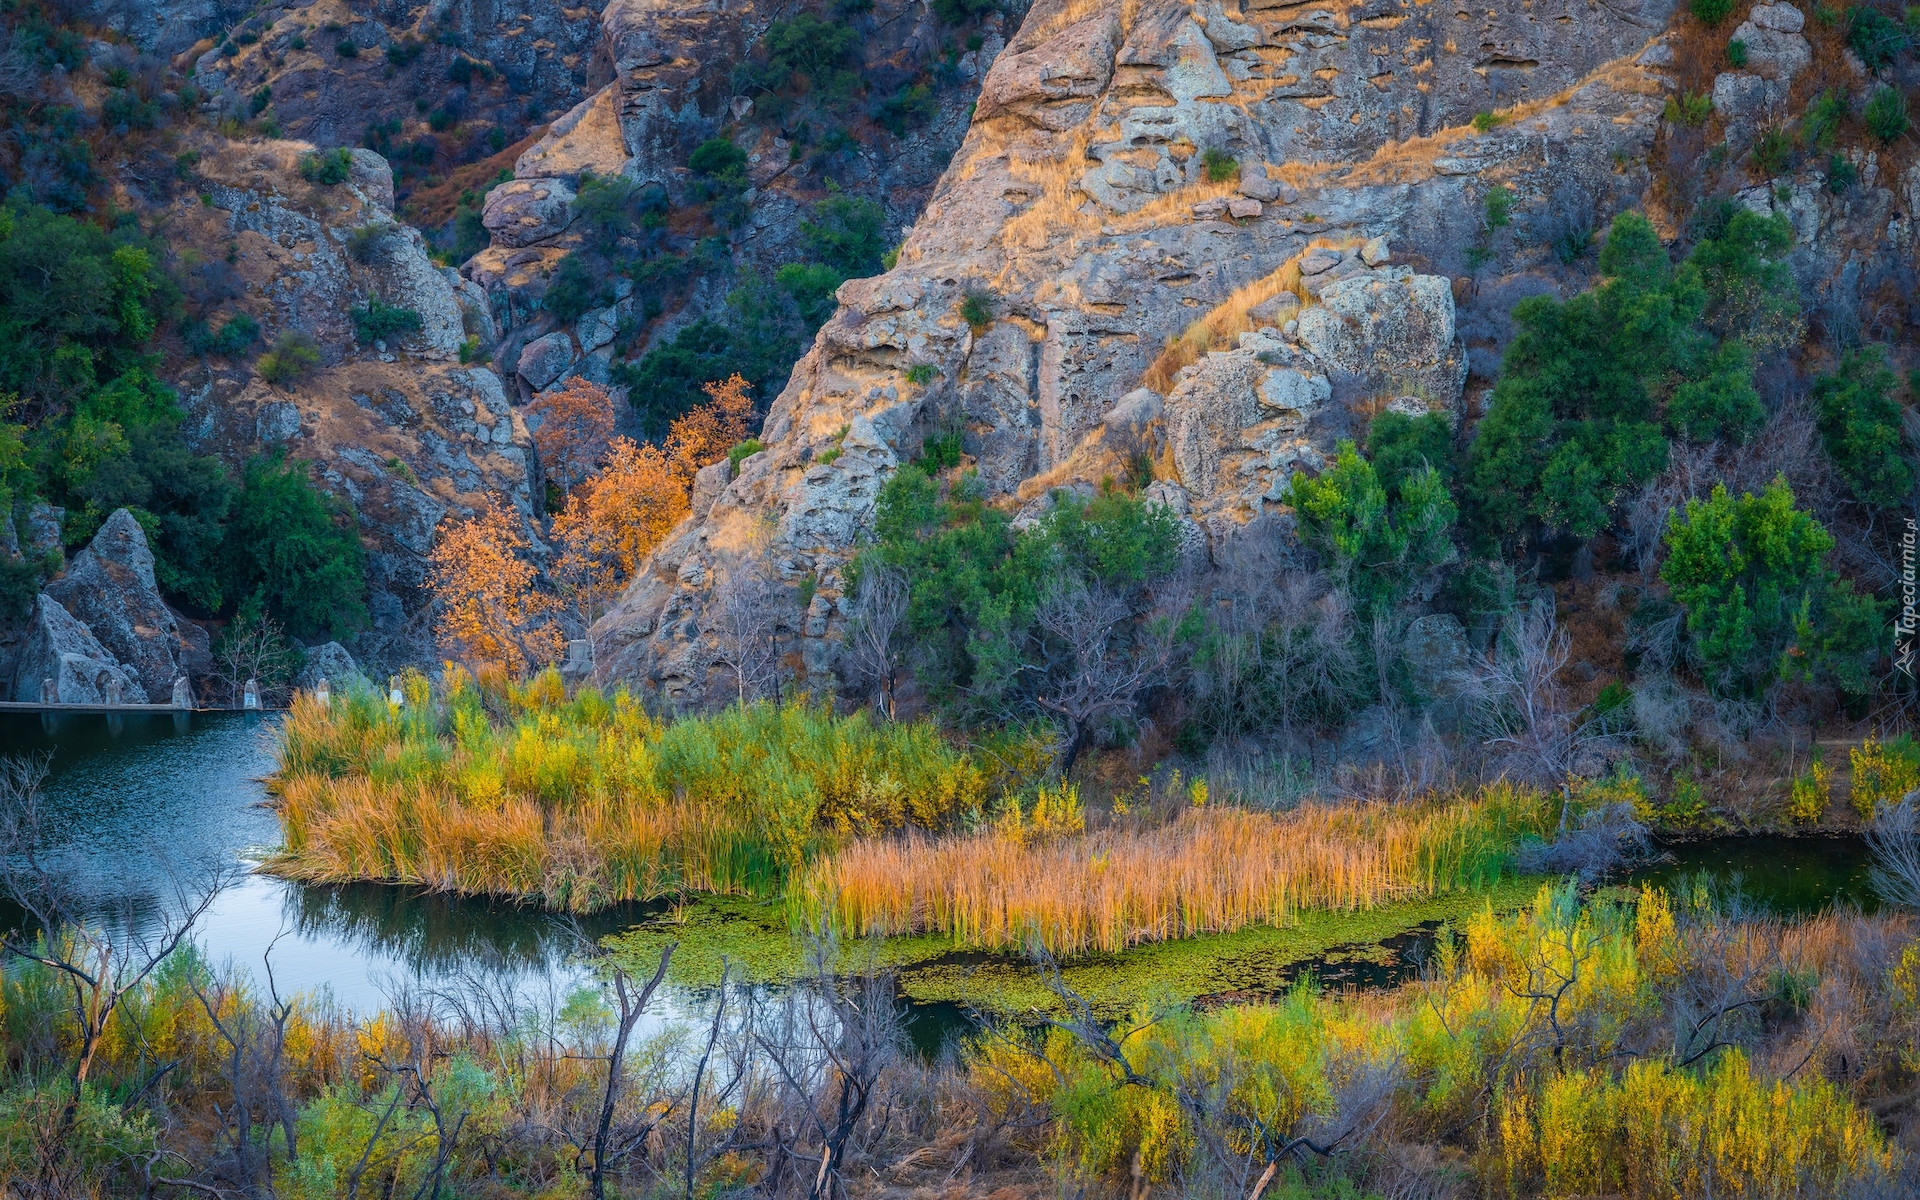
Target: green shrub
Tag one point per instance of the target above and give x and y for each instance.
(573, 290)
(1688, 108)
(1399, 445)
(234, 337)
(740, 453)
(910, 107)
(1497, 207)
(976, 309)
(376, 321)
(293, 358)
(1860, 424)
(366, 242)
(1711, 12)
(812, 286)
(257, 103)
(463, 70)
(1886, 114)
(346, 48)
(401, 53)
(1761, 605)
(1379, 542)
(922, 374)
(296, 549)
(975, 582)
(1487, 122)
(1218, 166)
(1770, 150)
(1841, 174)
(1821, 122)
(809, 46)
(1736, 54)
(959, 12)
(846, 233)
(326, 167)
(719, 168)
(1877, 38)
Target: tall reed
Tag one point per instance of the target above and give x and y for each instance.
(589, 800)
(1211, 871)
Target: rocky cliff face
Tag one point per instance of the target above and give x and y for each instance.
(1081, 202)
(402, 429)
(674, 72)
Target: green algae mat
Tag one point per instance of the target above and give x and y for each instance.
(753, 939)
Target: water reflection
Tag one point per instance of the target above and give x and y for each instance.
(139, 806)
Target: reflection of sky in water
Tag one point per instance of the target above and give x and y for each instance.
(133, 801)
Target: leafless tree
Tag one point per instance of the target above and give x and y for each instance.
(873, 654)
(632, 1005)
(255, 1067)
(1894, 840)
(1279, 652)
(253, 647)
(746, 626)
(93, 965)
(829, 1050)
(1097, 656)
(1527, 716)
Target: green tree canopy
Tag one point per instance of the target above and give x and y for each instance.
(1762, 607)
(1591, 388)
(296, 548)
(1860, 424)
(1379, 541)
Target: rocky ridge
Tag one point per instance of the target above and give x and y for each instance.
(404, 431)
(1081, 202)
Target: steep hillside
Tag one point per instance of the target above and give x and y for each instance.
(1081, 210)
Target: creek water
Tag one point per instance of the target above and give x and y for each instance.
(136, 803)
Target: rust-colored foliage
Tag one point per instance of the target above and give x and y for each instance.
(576, 422)
(704, 436)
(615, 518)
(491, 609)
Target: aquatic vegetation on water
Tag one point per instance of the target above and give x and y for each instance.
(1212, 870)
(588, 801)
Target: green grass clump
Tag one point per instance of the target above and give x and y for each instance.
(588, 800)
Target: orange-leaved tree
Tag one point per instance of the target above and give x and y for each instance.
(704, 435)
(615, 518)
(576, 421)
(491, 609)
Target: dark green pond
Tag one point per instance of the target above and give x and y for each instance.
(1790, 876)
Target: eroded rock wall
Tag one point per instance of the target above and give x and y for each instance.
(1082, 205)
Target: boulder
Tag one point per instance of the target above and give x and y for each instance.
(1775, 49)
(61, 649)
(1051, 85)
(587, 139)
(1386, 325)
(546, 359)
(110, 588)
(1242, 208)
(524, 211)
(43, 527)
(330, 662)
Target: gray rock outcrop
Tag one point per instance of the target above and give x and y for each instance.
(110, 588)
(1082, 202)
(60, 648)
(329, 661)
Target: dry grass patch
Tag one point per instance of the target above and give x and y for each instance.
(1211, 871)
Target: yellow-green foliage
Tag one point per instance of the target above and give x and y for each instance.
(1213, 870)
(587, 801)
(1882, 773)
(1653, 1130)
(1807, 802)
(1536, 1012)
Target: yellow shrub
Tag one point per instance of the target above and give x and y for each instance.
(1883, 773)
(1807, 802)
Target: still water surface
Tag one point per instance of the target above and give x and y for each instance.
(141, 800)
(136, 802)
